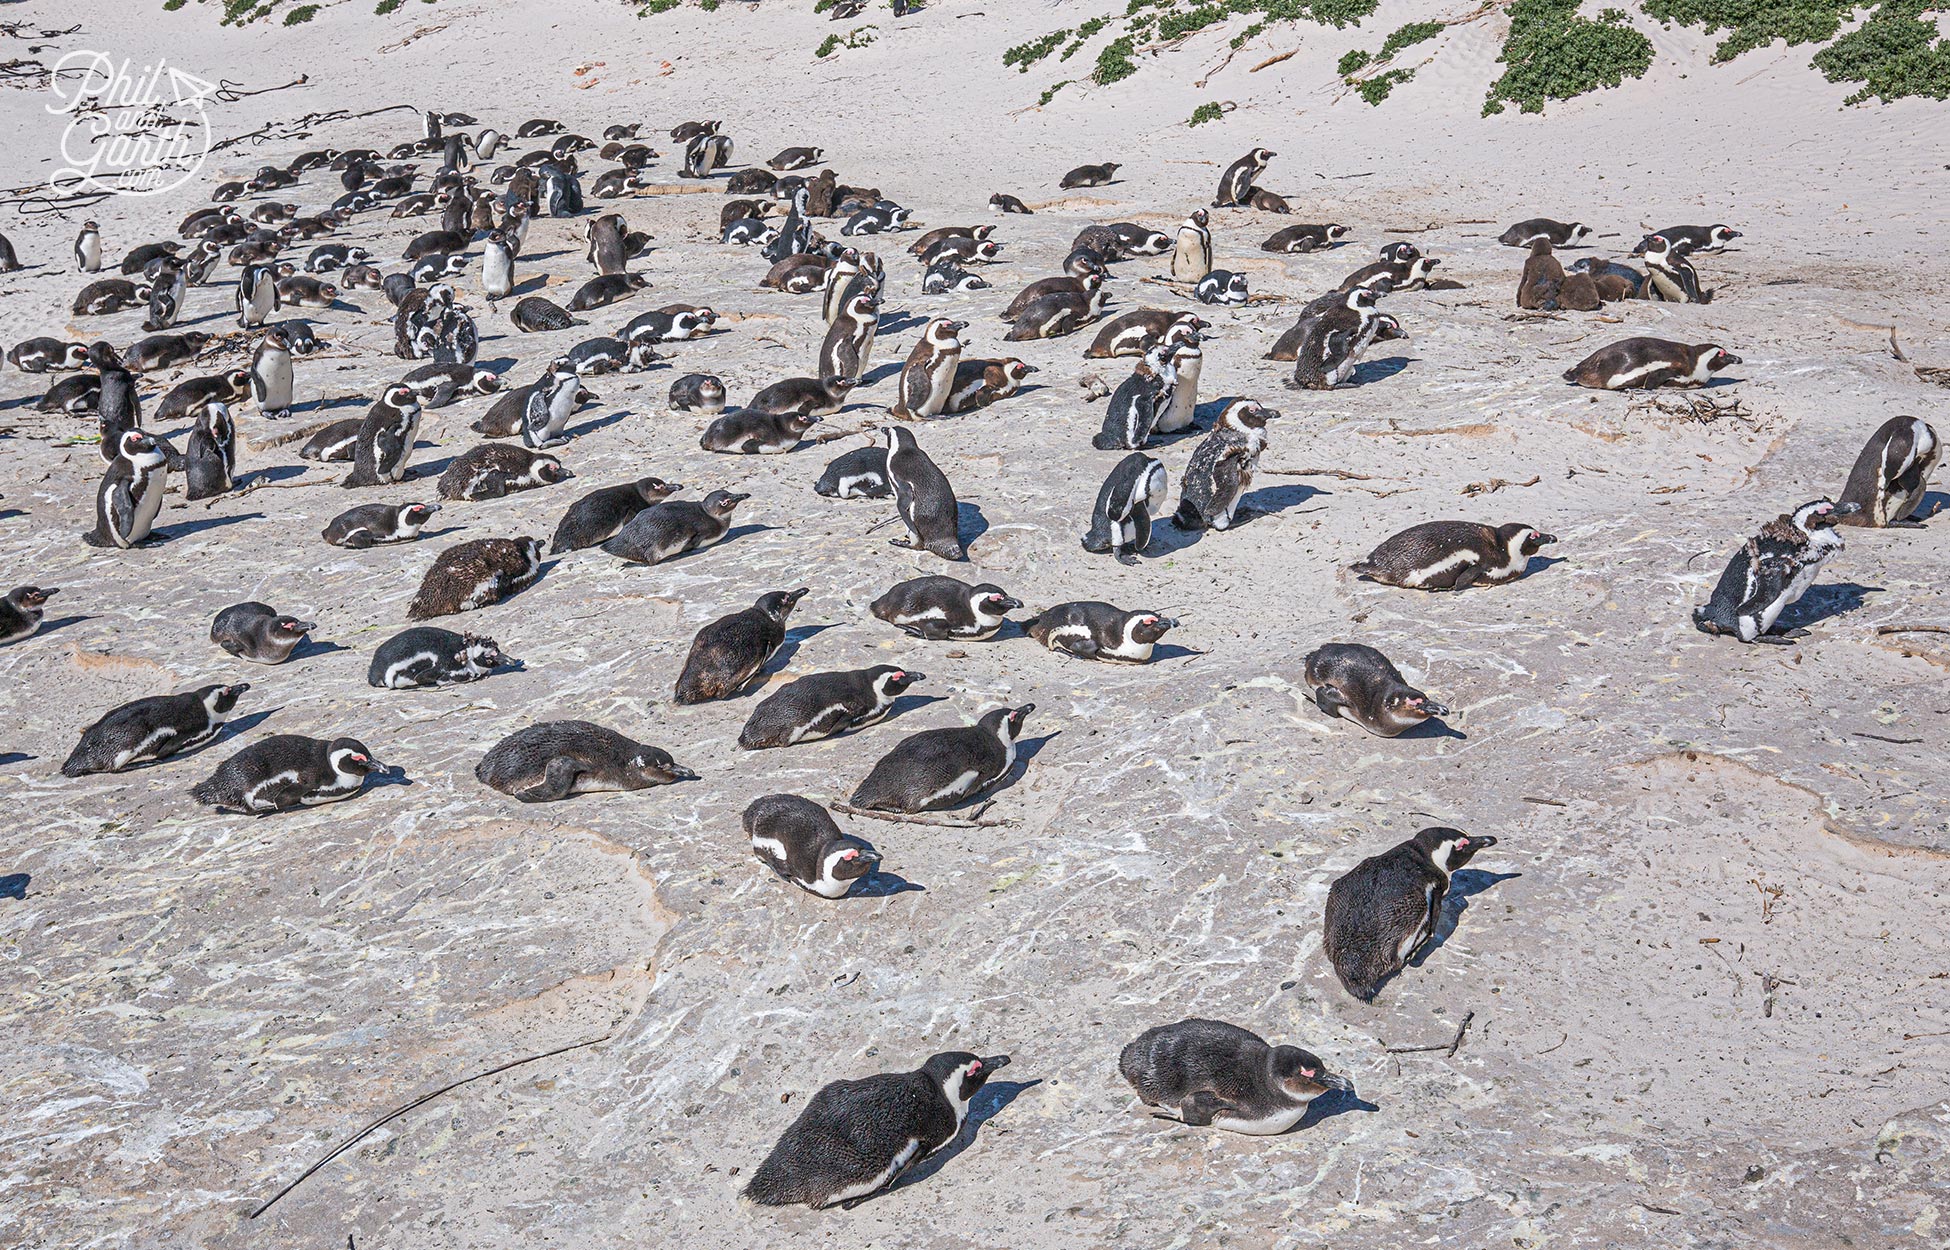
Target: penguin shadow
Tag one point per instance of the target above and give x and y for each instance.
(787, 649)
(969, 522)
(883, 884)
(1538, 564)
(500, 364)
(49, 626)
(535, 256)
(428, 470)
(208, 523)
(1378, 370)
(896, 322)
(19, 401)
(1271, 500)
(988, 1103)
(598, 423)
(14, 884)
(393, 776)
(1330, 1104)
(8, 514)
(312, 647)
(1464, 885)
(1933, 502)
(234, 728)
(14, 757)
(737, 531)
(891, 369)
(1171, 651)
(1435, 727)
(913, 703)
(1712, 383)
(443, 531)
(276, 473)
(343, 401)
(1027, 749)
(537, 283)
(1824, 602)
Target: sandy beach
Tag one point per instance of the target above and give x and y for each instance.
(1699, 990)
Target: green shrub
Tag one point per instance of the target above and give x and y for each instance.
(1354, 60)
(1173, 25)
(827, 46)
(1375, 90)
(1755, 23)
(1024, 55)
(303, 13)
(1553, 54)
(1207, 112)
(1084, 34)
(1408, 36)
(1050, 93)
(1896, 53)
(1251, 32)
(1114, 62)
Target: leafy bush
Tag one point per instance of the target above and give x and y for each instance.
(827, 46)
(1207, 112)
(1375, 90)
(1354, 60)
(1755, 23)
(1553, 54)
(1251, 32)
(1024, 55)
(1050, 93)
(1114, 62)
(303, 13)
(1895, 53)
(1408, 36)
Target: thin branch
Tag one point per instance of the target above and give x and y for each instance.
(1452, 1047)
(972, 821)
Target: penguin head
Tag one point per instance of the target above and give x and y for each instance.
(1200, 217)
(1362, 298)
(988, 599)
(1717, 357)
(140, 448)
(1386, 327)
(238, 382)
(890, 680)
(1149, 627)
(549, 470)
(1524, 539)
(1006, 722)
(796, 424)
(778, 604)
(418, 513)
(960, 1074)
(1399, 253)
(291, 627)
(1302, 1073)
(722, 503)
(1720, 236)
(657, 768)
(1246, 414)
(220, 699)
(349, 757)
(483, 653)
(1449, 849)
(32, 597)
(1408, 703)
(1017, 370)
(485, 381)
(400, 396)
(1821, 514)
(73, 356)
(1263, 155)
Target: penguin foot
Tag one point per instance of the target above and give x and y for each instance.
(1127, 558)
(1781, 640)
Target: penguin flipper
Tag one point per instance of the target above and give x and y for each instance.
(556, 783)
(1199, 1107)
(1083, 648)
(1329, 700)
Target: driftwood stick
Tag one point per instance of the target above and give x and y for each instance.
(1452, 1047)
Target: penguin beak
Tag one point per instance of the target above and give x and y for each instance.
(1429, 707)
(680, 773)
(1031, 369)
(1334, 1080)
(1840, 509)
(913, 676)
(990, 1063)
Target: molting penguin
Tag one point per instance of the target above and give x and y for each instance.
(258, 632)
(1649, 362)
(1222, 468)
(732, 650)
(824, 704)
(555, 759)
(288, 771)
(601, 514)
(1136, 404)
(939, 768)
(1386, 907)
(1089, 176)
(1771, 572)
(427, 655)
(1236, 184)
(1452, 555)
(855, 1138)
(1360, 684)
(675, 526)
(131, 492)
(496, 470)
(923, 497)
(476, 574)
(370, 524)
(797, 839)
(148, 730)
(1092, 630)
(1208, 1072)
(1131, 496)
(1892, 474)
(21, 610)
(745, 432)
(210, 460)
(942, 609)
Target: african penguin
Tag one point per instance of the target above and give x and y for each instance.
(287, 771)
(797, 839)
(148, 730)
(1207, 1072)
(822, 705)
(1387, 907)
(550, 761)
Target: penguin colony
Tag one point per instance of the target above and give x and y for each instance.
(855, 1137)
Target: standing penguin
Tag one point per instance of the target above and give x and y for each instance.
(849, 340)
(117, 408)
(386, 438)
(497, 267)
(1669, 276)
(1208, 1072)
(88, 248)
(1387, 906)
(131, 492)
(1236, 184)
(1221, 470)
(1131, 496)
(730, 651)
(928, 379)
(938, 768)
(922, 496)
(1180, 412)
(210, 461)
(1133, 411)
(855, 1138)
(167, 290)
(257, 295)
(1892, 474)
(1771, 572)
(795, 235)
(271, 375)
(551, 402)
(1192, 258)
(797, 838)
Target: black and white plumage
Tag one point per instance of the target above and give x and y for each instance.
(675, 526)
(1327, 342)
(674, 324)
(1222, 287)
(980, 382)
(822, 705)
(1236, 183)
(427, 655)
(881, 217)
(946, 275)
(857, 474)
(167, 289)
(1669, 276)
(939, 768)
(131, 492)
(1136, 332)
(1304, 237)
(1556, 233)
(534, 315)
(550, 761)
(923, 498)
(1092, 630)
(476, 574)
(697, 392)
(1207, 1072)
(1452, 555)
(210, 459)
(1771, 572)
(148, 730)
(1892, 474)
(46, 355)
(1686, 240)
(1644, 362)
(21, 610)
(271, 375)
(1358, 683)
(495, 470)
(438, 385)
(927, 380)
(1131, 496)
(257, 295)
(942, 609)
(118, 409)
(335, 441)
(1191, 257)
(76, 395)
(732, 650)
(598, 356)
(605, 289)
(855, 1138)
(258, 632)
(1137, 402)
(288, 771)
(1386, 908)
(798, 839)
(386, 438)
(371, 524)
(803, 395)
(601, 514)
(1222, 467)
(747, 433)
